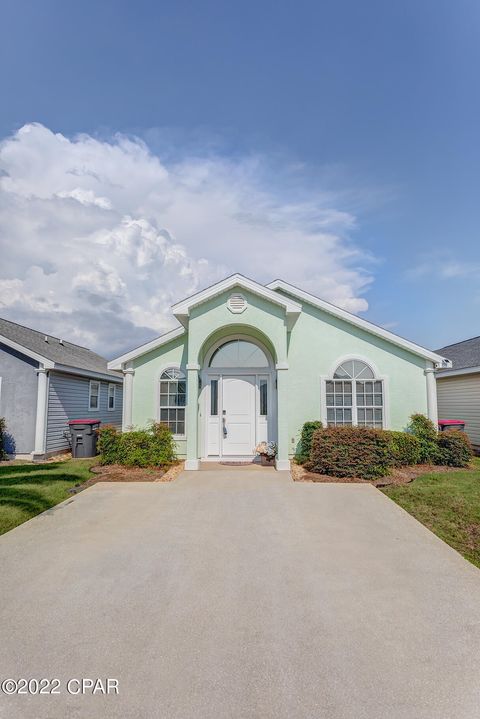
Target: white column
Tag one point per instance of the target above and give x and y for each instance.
(282, 461)
(432, 409)
(192, 462)
(41, 417)
(127, 398)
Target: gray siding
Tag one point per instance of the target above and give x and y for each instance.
(68, 399)
(459, 398)
(18, 399)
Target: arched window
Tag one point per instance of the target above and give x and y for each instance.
(173, 399)
(355, 396)
(239, 353)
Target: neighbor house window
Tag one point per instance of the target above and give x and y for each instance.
(173, 399)
(94, 396)
(111, 397)
(355, 396)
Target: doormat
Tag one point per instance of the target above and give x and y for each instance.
(235, 464)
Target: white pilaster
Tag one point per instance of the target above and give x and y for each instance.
(192, 462)
(41, 416)
(282, 462)
(432, 409)
(128, 374)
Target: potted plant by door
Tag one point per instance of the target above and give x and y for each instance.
(267, 452)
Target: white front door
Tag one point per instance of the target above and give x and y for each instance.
(238, 415)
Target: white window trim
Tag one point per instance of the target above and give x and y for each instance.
(384, 379)
(90, 408)
(111, 384)
(170, 365)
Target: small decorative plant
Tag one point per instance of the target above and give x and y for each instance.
(267, 452)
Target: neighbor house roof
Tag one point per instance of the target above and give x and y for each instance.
(465, 357)
(53, 352)
(275, 293)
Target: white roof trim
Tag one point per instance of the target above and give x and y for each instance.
(358, 321)
(148, 347)
(457, 372)
(181, 310)
(48, 364)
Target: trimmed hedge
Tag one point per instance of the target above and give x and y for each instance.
(455, 448)
(3, 427)
(303, 454)
(152, 447)
(404, 448)
(350, 452)
(368, 453)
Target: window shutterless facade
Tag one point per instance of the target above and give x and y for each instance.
(94, 396)
(173, 400)
(355, 396)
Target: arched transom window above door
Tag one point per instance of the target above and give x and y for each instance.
(355, 396)
(240, 354)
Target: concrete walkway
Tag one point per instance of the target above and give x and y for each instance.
(239, 595)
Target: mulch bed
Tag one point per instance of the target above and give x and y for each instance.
(401, 475)
(119, 473)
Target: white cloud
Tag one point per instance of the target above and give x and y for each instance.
(99, 238)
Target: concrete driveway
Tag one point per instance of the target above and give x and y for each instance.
(238, 594)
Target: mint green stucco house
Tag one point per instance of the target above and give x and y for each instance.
(249, 363)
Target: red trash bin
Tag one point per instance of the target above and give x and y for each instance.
(449, 424)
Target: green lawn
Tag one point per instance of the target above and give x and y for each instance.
(27, 489)
(448, 504)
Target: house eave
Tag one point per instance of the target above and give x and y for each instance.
(457, 372)
(370, 327)
(66, 369)
(182, 309)
(119, 362)
(44, 361)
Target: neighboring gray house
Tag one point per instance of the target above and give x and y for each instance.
(458, 388)
(45, 382)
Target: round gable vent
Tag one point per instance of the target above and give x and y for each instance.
(237, 303)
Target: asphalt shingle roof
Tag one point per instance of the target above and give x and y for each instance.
(463, 354)
(50, 347)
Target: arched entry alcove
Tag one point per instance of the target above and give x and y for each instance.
(238, 406)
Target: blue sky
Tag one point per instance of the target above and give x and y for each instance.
(370, 110)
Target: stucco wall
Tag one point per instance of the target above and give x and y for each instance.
(146, 388)
(318, 340)
(68, 398)
(313, 347)
(18, 399)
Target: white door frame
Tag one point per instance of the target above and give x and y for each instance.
(204, 404)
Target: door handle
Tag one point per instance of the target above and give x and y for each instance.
(224, 427)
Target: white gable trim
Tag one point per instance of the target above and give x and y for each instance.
(148, 347)
(182, 309)
(359, 322)
(48, 364)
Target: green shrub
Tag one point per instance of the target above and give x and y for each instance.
(425, 431)
(151, 447)
(3, 427)
(404, 448)
(455, 448)
(108, 439)
(350, 452)
(303, 454)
